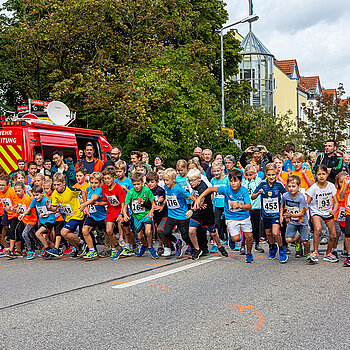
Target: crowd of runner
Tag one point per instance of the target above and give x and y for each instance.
(53, 207)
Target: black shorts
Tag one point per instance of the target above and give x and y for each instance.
(58, 226)
(49, 226)
(325, 218)
(347, 226)
(89, 221)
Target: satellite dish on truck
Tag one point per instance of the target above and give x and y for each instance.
(59, 113)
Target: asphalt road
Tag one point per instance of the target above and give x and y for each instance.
(213, 303)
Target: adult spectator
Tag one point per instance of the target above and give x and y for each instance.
(340, 154)
(158, 162)
(261, 155)
(288, 150)
(230, 163)
(145, 159)
(207, 154)
(116, 153)
(90, 163)
(39, 161)
(329, 158)
(135, 156)
(197, 151)
(47, 168)
(64, 166)
(20, 167)
(346, 160)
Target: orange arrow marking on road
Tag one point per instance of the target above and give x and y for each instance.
(159, 264)
(163, 288)
(251, 308)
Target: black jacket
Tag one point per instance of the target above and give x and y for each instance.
(334, 162)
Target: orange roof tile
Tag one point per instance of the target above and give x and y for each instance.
(286, 66)
(310, 82)
(330, 92)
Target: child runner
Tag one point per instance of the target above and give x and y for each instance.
(340, 214)
(178, 214)
(282, 175)
(219, 180)
(305, 175)
(271, 191)
(114, 195)
(323, 202)
(96, 213)
(160, 209)
(141, 201)
(203, 216)
(125, 227)
(344, 194)
(67, 200)
(250, 182)
(27, 222)
(237, 207)
(9, 201)
(295, 216)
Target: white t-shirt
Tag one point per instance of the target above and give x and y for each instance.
(322, 199)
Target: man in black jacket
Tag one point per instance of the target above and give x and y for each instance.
(260, 154)
(329, 158)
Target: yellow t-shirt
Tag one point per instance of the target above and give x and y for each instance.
(68, 203)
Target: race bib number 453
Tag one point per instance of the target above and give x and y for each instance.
(270, 205)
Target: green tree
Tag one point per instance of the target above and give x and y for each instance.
(328, 119)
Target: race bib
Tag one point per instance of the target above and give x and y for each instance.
(324, 202)
(22, 207)
(270, 205)
(92, 209)
(136, 207)
(250, 191)
(113, 200)
(42, 210)
(66, 209)
(234, 209)
(292, 210)
(341, 214)
(172, 202)
(6, 202)
(218, 196)
(156, 200)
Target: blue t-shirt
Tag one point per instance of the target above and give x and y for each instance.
(41, 208)
(219, 199)
(127, 183)
(270, 198)
(294, 205)
(288, 166)
(241, 196)
(182, 182)
(97, 212)
(176, 202)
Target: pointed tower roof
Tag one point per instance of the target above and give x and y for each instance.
(253, 46)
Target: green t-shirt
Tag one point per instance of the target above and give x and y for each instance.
(138, 210)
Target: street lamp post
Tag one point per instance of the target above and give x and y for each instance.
(250, 19)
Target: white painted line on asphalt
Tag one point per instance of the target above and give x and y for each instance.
(166, 273)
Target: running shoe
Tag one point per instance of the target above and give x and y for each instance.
(179, 246)
(160, 250)
(68, 250)
(308, 258)
(46, 255)
(19, 254)
(4, 252)
(153, 253)
(141, 251)
(167, 252)
(214, 249)
(347, 262)
(11, 254)
(188, 251)
(115, 253)
(53, 252)
(205, 251)
(104, 254)
(90, 255)
(314, 257)
(231, 244)
(41, 252)
(298, 250)
(30, 255)
(330, 258)
(223, 251)
(249, 258)
(242, 250)
(127, 252)
(196, 254)
(335, 253)
(259, 249)
(283, 256)
(82, 249)
(272, 254)
(344, 254)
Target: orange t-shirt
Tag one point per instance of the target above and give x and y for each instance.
(23, 204)
(303, 183)
(82, 187)
(340, 213)
(284, 176)
(346, 199)
(9, 198)
(58, 216)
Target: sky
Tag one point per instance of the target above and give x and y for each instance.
(314, 32)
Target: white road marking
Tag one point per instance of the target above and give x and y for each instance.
(165, 273)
